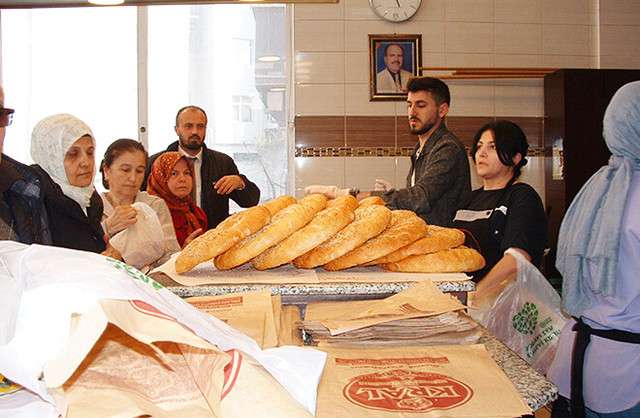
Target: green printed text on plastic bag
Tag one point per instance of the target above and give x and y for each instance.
(525, 321)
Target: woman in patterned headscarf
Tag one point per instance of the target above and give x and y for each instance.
(62, 146)
(171, 179)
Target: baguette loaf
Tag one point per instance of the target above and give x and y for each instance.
(371, 200)
(224, 236)
(455, 260)
(279, 203)
(324, 225)
(316, 201)
(348, 200)
(369, 222)
(282, 225)
(404, 228)
(436, 239)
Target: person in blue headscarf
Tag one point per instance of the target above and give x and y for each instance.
(597, 364)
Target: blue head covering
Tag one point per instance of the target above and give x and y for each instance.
(590, 231)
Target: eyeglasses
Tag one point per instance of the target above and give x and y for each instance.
(6, 116)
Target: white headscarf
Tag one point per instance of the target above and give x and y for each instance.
(50, 140)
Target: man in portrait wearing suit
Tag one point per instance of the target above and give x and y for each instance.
(393, 79)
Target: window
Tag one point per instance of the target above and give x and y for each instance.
(78, 61)
(210, 58)
(242, 108)
(85, 61)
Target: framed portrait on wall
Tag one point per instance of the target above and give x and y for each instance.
(393, 60)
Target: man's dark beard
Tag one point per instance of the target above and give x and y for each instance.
(191, 145)
(422, 130)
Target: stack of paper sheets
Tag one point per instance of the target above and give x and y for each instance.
(257, 314)
(420, 315)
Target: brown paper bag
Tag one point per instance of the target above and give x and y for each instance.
(144, 363)
(249, 312)
(290, 333)
(250, 391)
(276, 304)
(444, 381)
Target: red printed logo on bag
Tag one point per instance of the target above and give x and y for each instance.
(145, 308)
(403, 390)
(231, 372)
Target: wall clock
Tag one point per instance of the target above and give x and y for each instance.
(395, 10)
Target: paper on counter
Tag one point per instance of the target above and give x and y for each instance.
(376, 274)
(420, 300)
(250, 312)
(206, 273)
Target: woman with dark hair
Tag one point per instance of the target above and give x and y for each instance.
(503, 213)
(122, 171)
(171, 179)
(62, 146)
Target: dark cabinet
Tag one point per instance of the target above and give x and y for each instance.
(574, 104)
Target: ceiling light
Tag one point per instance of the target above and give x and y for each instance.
(269, 58)
(277, 89)
(106, 2)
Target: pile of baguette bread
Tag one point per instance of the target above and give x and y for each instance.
(336, 234)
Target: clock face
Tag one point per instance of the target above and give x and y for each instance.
(395, 10)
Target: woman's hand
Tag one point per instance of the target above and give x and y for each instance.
(112, 252)
(122, 218)
(192, 236)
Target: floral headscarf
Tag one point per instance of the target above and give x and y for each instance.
(157, 185)
(50, 140)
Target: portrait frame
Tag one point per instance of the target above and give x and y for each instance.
(388, 81)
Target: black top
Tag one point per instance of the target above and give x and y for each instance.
(442, 180)
(507, 218)
(70, 227)
(22, 214)
(216, 165)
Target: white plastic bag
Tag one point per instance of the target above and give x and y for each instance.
(143, 242)
(57, 283)
(526, 316)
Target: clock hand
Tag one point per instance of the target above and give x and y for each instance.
(398, 3)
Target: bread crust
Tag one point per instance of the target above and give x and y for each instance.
(279, 203)
(454, 260)
(369, 222)
(371, 200)
(437, 239)
(324, 225)
(348, 200)
(404, 228)
(224, 236)
(316, 200)
(282, 225)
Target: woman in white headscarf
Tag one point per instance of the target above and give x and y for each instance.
(597, 364)
(63, 147)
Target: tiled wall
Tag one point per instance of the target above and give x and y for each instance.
(332, 104)
(619, 34)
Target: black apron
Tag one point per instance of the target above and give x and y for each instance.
(583, 337)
